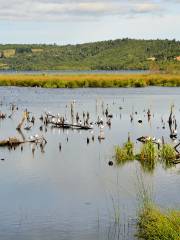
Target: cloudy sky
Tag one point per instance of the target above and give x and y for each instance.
(77, 21)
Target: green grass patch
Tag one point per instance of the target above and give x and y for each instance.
(154, 224)
(168, 155)
(148, 156)
(148, 152)
(124, 153)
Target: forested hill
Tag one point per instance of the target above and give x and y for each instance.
(105, 55)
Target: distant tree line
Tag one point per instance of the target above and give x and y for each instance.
(105, 55)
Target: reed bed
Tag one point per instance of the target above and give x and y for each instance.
(124, 153)
(91, 80)
(148, 156)
(155, 224)
(168, 154)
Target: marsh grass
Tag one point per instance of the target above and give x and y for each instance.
(91, 80)
(168, 155)
(155, 224)
(152, 222)
(148, 156)
(148, 152)
(124, 153)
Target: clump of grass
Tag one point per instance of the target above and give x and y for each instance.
(153, 224)
(148, 156)
(129, 146)
(124, 153)
(148, 152)
(168, 154)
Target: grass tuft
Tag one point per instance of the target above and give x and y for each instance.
(148, 156)
(148, 152)
(168, 155)
(153, 224)
(124, 153)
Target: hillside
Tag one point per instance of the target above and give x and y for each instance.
(105, 55)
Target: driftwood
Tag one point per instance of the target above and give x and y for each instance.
(68, 125)
(144, 139)
(13, 141)
(25, 116)
(176, 148)
(177, 161)
(49, 115)
(59, 122)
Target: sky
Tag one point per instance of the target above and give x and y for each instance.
(78, 21)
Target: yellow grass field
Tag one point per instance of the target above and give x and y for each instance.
(91, 80)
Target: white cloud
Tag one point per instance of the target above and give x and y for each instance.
(81, 9)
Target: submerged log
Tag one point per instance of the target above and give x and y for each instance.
(177, 151)
(73, 126)
(176, 161)
(144, 139)
(13, 141)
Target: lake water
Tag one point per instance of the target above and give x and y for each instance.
(73, 72)
(72, 194)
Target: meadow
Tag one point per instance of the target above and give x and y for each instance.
(91, 80)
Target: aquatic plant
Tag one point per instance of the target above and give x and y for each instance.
(148, 156)
(144, 191)
(148, 152)
(154, 224)
(168, 155)
(124, 153)
(129, 146)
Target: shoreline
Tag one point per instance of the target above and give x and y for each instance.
(90, 80)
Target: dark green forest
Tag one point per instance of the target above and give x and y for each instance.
(117, 54)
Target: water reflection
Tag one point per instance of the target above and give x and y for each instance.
(58, 191)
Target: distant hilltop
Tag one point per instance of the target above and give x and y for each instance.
(127, 54)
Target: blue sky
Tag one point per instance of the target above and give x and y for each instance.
(77, 21)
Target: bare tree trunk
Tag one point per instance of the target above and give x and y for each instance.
(25, 115)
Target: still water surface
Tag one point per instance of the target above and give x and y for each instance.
(74, 72)
(72, 194)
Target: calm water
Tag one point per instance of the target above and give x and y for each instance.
(71, 194)
(66, 72)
